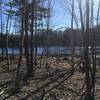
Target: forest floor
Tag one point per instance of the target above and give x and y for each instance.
(52, 81)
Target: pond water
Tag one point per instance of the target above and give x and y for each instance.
(51, 50)
(41, 50)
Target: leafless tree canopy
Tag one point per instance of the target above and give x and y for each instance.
(41, 62)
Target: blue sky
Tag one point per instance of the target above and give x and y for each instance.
(60, 18)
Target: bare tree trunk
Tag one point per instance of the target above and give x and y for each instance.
(47, 31)
(83, 33)
(93, 50)
(17, 86)
(35, 34)
(72, 35)
(32, 32)
(26, 40)
(87, 61)
(1, 28)
(7, 32)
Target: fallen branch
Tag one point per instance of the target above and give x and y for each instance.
(2, 92)
(52, 81)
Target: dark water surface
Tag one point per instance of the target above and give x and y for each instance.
(51, 50)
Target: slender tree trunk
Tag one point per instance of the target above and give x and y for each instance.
(93, 49)
(1, 29)
(48, 26)
(7, 32)
(17, 86)
(32, 31)
(72, 35)
(35, 34)
(26, 40)
(87, 61)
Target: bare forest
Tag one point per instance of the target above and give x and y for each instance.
(40, 60)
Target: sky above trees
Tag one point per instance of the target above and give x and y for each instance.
(61, 15)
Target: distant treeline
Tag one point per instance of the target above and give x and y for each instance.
(54, 38)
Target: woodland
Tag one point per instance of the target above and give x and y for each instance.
(26, 27)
